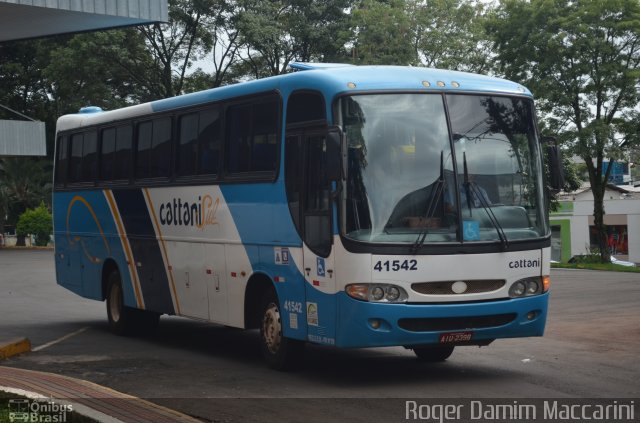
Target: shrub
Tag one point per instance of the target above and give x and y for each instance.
(37, 222)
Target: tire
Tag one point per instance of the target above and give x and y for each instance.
(125, 320)
(433, 354)
(279, 352)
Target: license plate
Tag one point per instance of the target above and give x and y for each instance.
(453, 337)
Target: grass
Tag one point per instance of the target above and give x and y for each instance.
(610, 267)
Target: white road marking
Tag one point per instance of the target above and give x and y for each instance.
(56, 341)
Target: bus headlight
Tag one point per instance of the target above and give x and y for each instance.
(377, 293)
(526, 287)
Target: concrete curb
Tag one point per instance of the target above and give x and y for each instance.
(14, 347)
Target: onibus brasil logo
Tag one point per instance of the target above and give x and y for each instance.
(38, 411)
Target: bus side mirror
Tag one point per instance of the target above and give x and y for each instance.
(334, 154)
(555, 167)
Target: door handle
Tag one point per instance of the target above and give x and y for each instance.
(308, 270)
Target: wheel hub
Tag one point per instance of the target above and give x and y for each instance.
(271, 328)
(115, 303)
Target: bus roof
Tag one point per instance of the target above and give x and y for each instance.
(331, 79)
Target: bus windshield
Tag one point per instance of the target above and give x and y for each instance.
(414, 177)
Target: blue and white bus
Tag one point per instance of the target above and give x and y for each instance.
(352, 206)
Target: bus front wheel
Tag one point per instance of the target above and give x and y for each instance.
(279, 352)
(433, 354)
(124, 320)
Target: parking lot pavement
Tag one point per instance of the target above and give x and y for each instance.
(589, 350)
(32, 304)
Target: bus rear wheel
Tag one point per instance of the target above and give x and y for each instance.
(433, 354)
(279, 352)
(125, 320)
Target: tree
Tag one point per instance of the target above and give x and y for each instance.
(385, 33)
(37, 222)
(446, 34)
(184, 38)
(450, 34)
(24, 183)
(582, 60)
(275, 33)
(109, 69)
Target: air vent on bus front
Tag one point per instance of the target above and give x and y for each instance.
(458, 287)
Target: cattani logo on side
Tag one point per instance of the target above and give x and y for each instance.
(199, 213)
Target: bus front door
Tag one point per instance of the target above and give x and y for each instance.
(318, 239)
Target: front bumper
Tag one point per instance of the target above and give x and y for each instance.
(423, 323)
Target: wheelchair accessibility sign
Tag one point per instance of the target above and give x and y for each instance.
(321, 270)
(471, 230)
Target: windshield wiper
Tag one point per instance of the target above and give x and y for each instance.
(436, 192)
(472, 189)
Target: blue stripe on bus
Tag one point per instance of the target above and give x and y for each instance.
(145, 248)
(261, 214)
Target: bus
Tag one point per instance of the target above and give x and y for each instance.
(350, 206)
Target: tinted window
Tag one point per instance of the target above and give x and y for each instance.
(265, 127)
(293, 176)
(304, 107)
(239, 130)
(108, 154)
(161, 148)
(90, 157)
(61, 165)
(115, 160)
(75, 162)
(154, 148)
(143, 156)
(199, 143)
(209, 141)
(188, 145)
(318, 185)
(122, 165)
(317, 219)
(252, 135)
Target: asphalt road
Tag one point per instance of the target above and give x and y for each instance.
(590, 350)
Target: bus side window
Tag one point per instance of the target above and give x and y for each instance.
(161, 148)
(317, 219)
(154, 148)
(90, 156)
(187, 144)
(265, 128)
(107, 154)
(305, 107)
(239, 129)
(75, 160)
(294, 176)
(123, 157)
(209, 141)
(253, 136)
(143, 154)
(61, 165)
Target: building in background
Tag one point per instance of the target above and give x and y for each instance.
(23, 19)
(572, 230)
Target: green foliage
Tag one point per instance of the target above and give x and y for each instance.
(109, 69)
(435, 33)
(24, 183)
(582, 60)
(385, 33)
(37, 222)
(596, 264)
(191, 33)
(275, 33)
